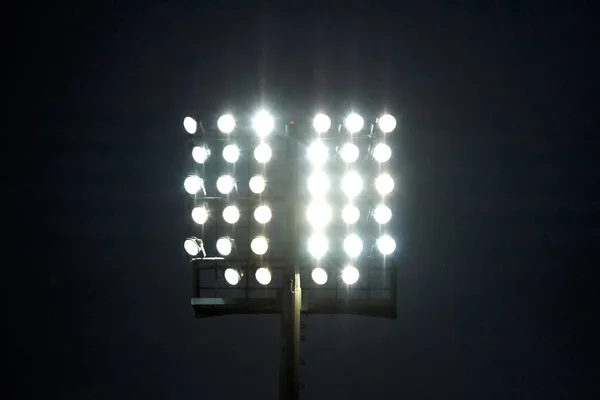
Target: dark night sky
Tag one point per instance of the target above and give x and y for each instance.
(497, 112)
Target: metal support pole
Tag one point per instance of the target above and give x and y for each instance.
(289, 374)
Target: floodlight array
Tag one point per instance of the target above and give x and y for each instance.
(348, 166)
(348, 186)
(212, 197)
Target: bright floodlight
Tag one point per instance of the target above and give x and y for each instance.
(319, 276)
(262, 214)
(263, 123)
(263, 276)
(231, 214)
(386, 245)
(226, 123)
(352, 184)
(259, 245)
(318, 245)
(384, 184)
(190, 125)
(225, 184)
(350, 214)
(382, 214)
(317, 153)
(318, 183)
(231, 153)
(382, 152)
(232, 276)
(200, 154)
(263, 153)
(353, 245)
(321, 123)
(354, 123)
(193, 184)
(200, 215)
(193, 246)
(387, 123)
(318, 214)
(349, 152)
(257, 184)
(350, 275)
(224, 246)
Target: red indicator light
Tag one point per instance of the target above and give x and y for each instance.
(292, 122)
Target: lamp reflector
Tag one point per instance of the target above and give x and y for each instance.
(318, 245)
(263, 276)
(225, 184)
(384, 184)
(232, 276)
(352, 184)
(224, 246)
(321, 123)
(382, 214)
(259, 245)
(257, 184)
(200, 215)
(353, 245)
(231, 153)
(262, 214)
(263, 123)
(349, 152)
(226, 123)
(319, 276)
(231, 214)
(350, 214)
(354, 123)
(192, 184)
(382, 152)
(350, 275)
(190, 125)
(200, 154)
(317, 153)
(387, 123)
(263, 153)
(386, 245)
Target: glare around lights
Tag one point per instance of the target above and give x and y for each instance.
(200, 154)
(386, 245)
(321, 123)
(190, 125)
(231, 214)
(354, 123)
(352, 184)
(257, 184)
(263, 123)
(262, 214)
(318, 214)
(231, 153)
(226, 123)
(384, 184)
(191, 246)
(200, 215)
(319, 276)
(350, 275)
(263, 153)
(317, 153)
(225, 184)
(349, 152)
(387, 123)
(259, 245)
(382, 152)
(353, 245)
(318, 183)
(232, 276)
(224, 246)
(263, 276)
(350, 214)
(382, 214)
(193, 184)
(318, 245)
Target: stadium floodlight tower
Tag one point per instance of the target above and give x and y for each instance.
(271, 201)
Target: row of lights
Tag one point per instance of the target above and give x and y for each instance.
(318, 153)
(350, 275)
(318, 184)
(263, 123)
